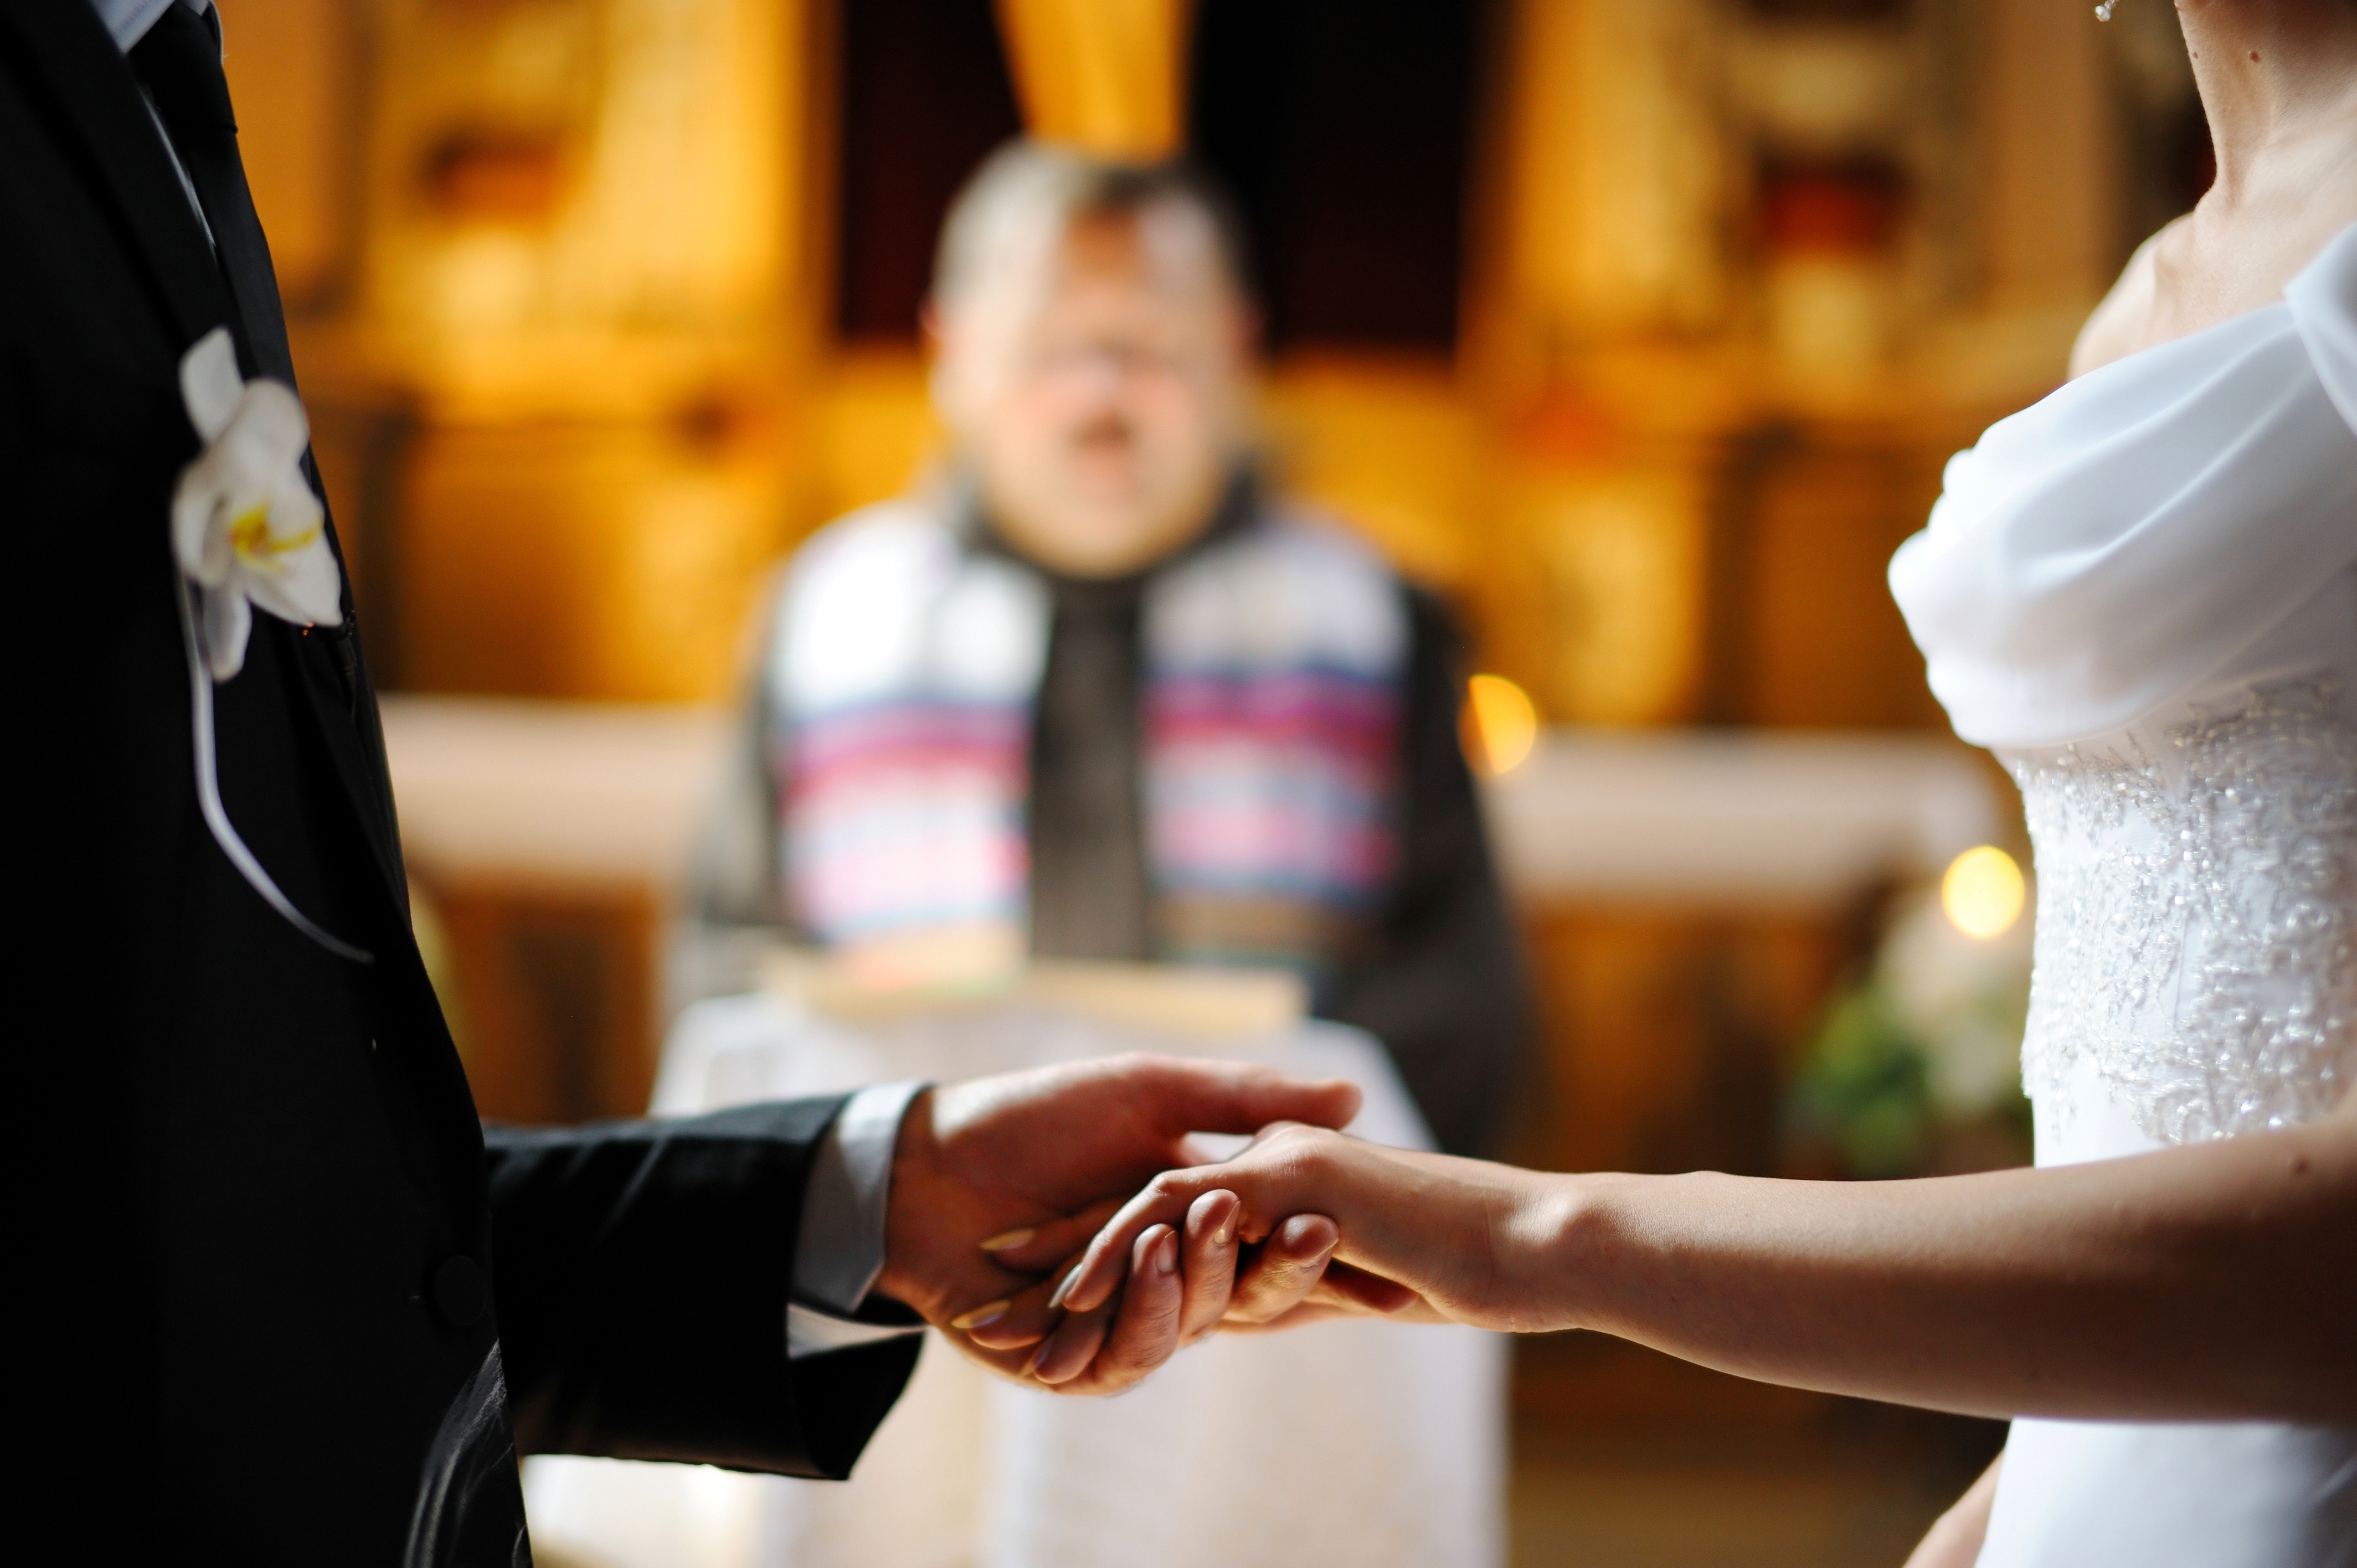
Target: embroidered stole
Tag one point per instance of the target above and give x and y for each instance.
(906, 664)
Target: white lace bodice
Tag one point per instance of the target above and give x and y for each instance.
(2197, 916)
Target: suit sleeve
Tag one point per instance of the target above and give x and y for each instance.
(1441, 984)
(642, 1272)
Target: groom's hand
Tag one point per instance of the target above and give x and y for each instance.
(1025, 1166)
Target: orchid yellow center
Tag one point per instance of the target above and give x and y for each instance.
(250, 536)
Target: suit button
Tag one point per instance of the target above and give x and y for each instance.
(460, 1291)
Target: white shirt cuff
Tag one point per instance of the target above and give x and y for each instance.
(839, 1250)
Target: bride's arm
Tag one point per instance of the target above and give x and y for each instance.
(2210, 1281)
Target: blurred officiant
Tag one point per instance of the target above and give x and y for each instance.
(1093, 690)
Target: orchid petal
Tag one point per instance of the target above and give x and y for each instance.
(263, 440)
(289, 571)
(296, 519)
(199, 545)
(306, 590)
(210, 383)
(315, 587)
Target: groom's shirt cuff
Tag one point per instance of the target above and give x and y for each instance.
(839, 1250)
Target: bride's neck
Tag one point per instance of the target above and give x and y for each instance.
(2272, 73)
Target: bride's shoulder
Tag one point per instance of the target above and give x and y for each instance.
(2212, 265)
(2122, 322)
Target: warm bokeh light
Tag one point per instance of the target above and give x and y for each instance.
(1982, 892)
(1501, 721)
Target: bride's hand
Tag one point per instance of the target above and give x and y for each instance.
(1423, 1236)
(1225, 1283)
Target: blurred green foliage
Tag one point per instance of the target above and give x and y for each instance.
(1866, 1088)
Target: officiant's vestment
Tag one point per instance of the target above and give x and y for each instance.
(278, 1291)
(1245, 754)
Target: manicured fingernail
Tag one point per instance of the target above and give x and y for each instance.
(988, 1313)
(1165, 1256)
(1227, 1233)
(1006, 1241)
(1031, 1366)
(1063, 1290)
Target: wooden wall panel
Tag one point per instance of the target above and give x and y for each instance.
(294, 69)
(554, 997)
(1668, 1036)
(1823, 645)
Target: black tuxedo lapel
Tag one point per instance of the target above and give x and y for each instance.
(179, 59)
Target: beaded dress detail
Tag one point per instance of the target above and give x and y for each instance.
(2196, 918)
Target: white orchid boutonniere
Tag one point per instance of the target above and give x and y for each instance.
(246, 531)
(245, 526)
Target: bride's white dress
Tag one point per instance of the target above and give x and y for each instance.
(2141, 592)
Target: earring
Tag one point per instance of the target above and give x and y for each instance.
(2103, 11)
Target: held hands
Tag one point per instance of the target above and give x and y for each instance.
(997, 1182)
(1420, 1237)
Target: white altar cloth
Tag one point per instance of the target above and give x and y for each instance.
(1364, 1443)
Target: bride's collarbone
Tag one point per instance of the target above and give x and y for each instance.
(2210, 266)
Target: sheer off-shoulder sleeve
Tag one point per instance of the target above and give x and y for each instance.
(2101, 552)
(2323, 301)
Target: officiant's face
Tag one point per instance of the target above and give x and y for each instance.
(1097, 387)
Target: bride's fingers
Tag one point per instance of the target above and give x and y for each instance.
(1209, 1260)
(1164, 1201)
(1038, 1249)
(1288, 1268)
(1288, 1169)
(1144, 1332)
(1067, 1352)
(1212, 1248)
(1073, 1347)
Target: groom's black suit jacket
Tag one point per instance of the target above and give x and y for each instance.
(254, 1211)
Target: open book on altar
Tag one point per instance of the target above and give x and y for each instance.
(818, 1024)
